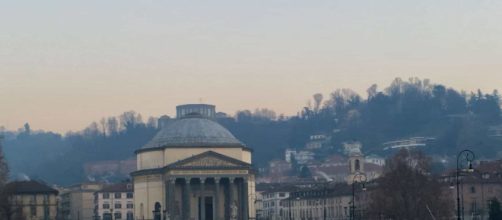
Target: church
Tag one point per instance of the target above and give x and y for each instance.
(194, 169)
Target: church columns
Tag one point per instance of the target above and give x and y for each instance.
(202, 199)
(245, 199)
(217, 198)
(230, 197)
(186, 199)
(171, 183)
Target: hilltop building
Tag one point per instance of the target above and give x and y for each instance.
(317, 141)
(302, 156)
(32, 200)
(408, 143)
(194, 168)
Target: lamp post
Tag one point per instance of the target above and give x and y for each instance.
(464, 156)
(325, 199)
(361, 178)
(289, 204)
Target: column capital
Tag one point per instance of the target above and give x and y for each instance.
(231, 179)
(202, 180)
(187, 180)
(217, 180)
(171, 179)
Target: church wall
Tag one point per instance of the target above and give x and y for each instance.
(148, 190)
(150, 159)
(251, 197)
(172, 155)
(246, 156)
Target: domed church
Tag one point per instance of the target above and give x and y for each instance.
(194, 169)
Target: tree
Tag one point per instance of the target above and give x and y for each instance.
(6, 211)
(113, 125)
(305, 172)
(27, 128)
(129, 120)
(317, 101)
(407, 191)
(495, 211)
(4, 168)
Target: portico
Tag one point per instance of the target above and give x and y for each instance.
(208, 198)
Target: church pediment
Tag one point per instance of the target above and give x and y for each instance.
(210, 159)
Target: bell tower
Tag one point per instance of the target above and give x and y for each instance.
(356, 165)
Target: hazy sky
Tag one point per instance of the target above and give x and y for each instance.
(64, 64)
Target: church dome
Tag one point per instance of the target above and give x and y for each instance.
(193, 131)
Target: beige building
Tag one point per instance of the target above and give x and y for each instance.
(115, 201)
(477, 189)
(313, 203)
(32, 200)
(194, 169)
(77, 201)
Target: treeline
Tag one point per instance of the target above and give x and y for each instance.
(410, 108)
(405, 109)
(59, 159)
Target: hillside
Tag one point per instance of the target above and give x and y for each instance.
(404, 109)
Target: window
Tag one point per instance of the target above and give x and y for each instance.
(107, 216)
(106, 195)
(130, 205)
(282, 194)
(473, 189)
(130, 216)
(474, 207)
(118, 195)
(117, 215)
(106, 206)
(118, 205)
(130, 195)
(33, 210)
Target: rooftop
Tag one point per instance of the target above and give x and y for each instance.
(193, 130)
(29, 187)
(119, 187)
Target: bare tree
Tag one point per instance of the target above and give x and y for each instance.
(407, 191)
(103, 126)
(265, 113)
(130, 119)
(6, 211)
(152, 122)
(372, 91)
(317, 101)
(4, 168)
(113, 125)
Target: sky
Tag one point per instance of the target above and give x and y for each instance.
(64, 64)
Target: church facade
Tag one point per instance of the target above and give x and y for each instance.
(194, 169)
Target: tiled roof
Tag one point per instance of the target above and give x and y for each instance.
(29, 187)
(119, 187)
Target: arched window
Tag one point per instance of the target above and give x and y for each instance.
(357, 165)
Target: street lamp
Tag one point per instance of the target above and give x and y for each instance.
(466, 156)
(358, 178)
(325, 199)
(289, 204)
(157, 211)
